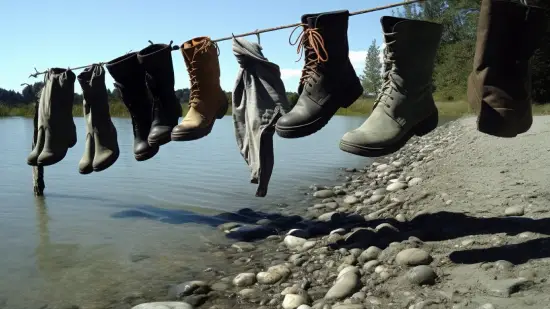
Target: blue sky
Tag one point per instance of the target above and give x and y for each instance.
(62, 33)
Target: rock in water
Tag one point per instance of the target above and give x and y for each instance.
(164, 305)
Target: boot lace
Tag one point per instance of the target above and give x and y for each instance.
(192, 69)
(312, 43)
(388, 83)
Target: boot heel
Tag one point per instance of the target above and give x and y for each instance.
(354, 92)
(427, 125)
(222, 111)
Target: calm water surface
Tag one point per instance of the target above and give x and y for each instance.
(71, 247)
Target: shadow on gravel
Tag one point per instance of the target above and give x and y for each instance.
(253, 225)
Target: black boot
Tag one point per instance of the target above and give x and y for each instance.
(328, 79)
(156, 59)
(129, 79)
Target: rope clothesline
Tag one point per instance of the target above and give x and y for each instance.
(257, 32)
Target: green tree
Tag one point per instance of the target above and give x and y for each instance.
(372, 78)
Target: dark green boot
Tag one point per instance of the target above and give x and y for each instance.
(101, 149)
(129, 79)
(56, 129)
(156, 60)
(404, 106)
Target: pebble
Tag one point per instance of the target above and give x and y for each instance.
(370, 254)
(346, 284)
(273, 274)
(506, 287)
(293, 242)
(382, 167)
(503, 265)
(401, 218)
(329, 216)
(351, 200)
(304, 307)
(370, 266)
(414, 181)
(243, 246)
(164, 305)
(244, 279)
(323, 193)
(250, 294)
(339, 231)
(298, 233)
(413, 257)
(421, 275)
(349, 306)
(396, 186)
(487, 306)
(514, 211)
(293, 301)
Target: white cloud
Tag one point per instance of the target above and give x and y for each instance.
(357, 58)
(290, 73)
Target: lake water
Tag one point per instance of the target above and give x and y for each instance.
(70, 247)
(74, 247)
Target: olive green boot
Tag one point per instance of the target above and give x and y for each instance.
(101, 149)
(404, 106)
(56, 129)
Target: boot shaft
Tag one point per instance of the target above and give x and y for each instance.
(58, 93)
(333, 28)
(94, 92)
(411, 48)
(156, 60)
(129, 78)
(201, 55)
(508, 33)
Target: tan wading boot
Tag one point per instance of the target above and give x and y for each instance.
(404, 106)
(56, 129)
(101, 149)
(499, 87)
(156, 60)
(207, 100)
(129, 79)
(328, 79)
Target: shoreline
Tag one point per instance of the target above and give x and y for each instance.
(403, 232)
(361, 107)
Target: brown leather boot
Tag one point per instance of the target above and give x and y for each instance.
(499, 87)
(207, 100)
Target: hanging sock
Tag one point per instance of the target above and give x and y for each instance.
(405, 105)
(499, 87)
(259, 99)
(207, 101)
(129, 79)
(328, 79)
(101, 149)
(56, 129)
(156, 60)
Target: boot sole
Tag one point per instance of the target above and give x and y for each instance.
(422, 128)
(107, 164)
(498, 122)
(199, 133)
(147, 155)
(86, 171)
(319, 123)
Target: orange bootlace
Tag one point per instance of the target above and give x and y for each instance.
(313, 45)
(191, 69)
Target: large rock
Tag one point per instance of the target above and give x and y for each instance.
(346, 284)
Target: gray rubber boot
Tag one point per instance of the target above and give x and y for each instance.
(56, 111)
(101, 149)
(404, 106)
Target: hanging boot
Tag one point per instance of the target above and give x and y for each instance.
(101, 149)
(156, 59)
(499, 87)
(56, 129)
(405, 105)
(207, 100)
(328, 79)
(129, 79)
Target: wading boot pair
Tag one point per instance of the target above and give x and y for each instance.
(101, 149)
(404, 106)
(56, 129)
(145, 81)
(499, 86)
(328, 80)
(207, 101)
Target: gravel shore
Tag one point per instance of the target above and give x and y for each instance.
(456, 219)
